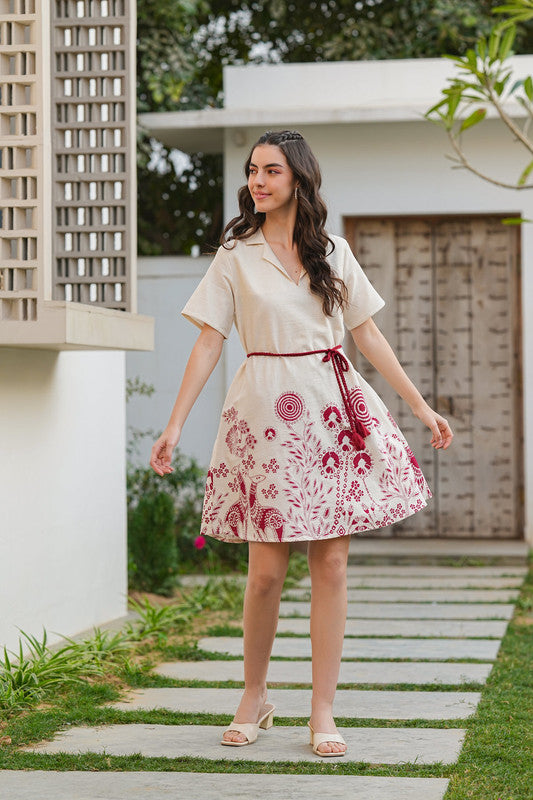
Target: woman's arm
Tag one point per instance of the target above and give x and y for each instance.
(373, 345)
(201, 363)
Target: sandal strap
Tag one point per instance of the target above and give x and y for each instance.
(321, 738)
(248, 729)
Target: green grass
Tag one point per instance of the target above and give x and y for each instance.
(496, 760)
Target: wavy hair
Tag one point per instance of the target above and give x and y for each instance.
(310, 236)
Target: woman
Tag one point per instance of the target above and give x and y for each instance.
(306, 450)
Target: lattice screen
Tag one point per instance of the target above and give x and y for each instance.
(91, 186)
(20, 189)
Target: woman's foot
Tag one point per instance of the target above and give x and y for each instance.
(324, 723)
(251, 708)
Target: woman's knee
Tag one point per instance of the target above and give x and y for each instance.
(267, 566)
(329, 566)
(264, 582)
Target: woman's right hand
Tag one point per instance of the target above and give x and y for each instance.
(162, 452)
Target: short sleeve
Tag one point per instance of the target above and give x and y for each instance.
(363, 299)
(212, 302)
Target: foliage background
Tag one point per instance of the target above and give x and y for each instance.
(183, 46)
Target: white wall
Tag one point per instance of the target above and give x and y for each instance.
(376, 86)
(400, 168)
(164, 286)
(62, 491)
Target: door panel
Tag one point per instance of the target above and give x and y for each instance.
(452, 317)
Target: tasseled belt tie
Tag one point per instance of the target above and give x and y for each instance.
(340, 365)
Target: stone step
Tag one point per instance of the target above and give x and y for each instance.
(280, 743)
(424, 570)
(431, 649)
(381, 550)
(425, 672)
(44, 785)
(293, 608)
(420, 571)
(352, 703)
(429, 582)
(201, 580)
(419, 595)
(486, 629)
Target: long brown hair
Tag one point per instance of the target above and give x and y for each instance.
(309, 235)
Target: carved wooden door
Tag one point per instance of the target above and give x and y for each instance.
(453, 318)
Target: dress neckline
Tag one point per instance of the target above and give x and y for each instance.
(280, 265)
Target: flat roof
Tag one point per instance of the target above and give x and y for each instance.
(324, 93)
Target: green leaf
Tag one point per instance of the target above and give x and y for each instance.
(528, 88)
(477, 116)
(482, 48)
(471, 59)
(525, 174)
(515, 220)
(494, 42)
(507, 43)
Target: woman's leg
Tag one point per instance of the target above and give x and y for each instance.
(267, 567)
(327, 564)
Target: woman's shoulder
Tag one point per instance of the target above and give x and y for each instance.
(339, 241)
(336, 250)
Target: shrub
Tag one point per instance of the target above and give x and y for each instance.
(152, 544)
(185, 486)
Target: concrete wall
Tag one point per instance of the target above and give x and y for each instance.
(164, 285)
(62, 491)
(400, 168)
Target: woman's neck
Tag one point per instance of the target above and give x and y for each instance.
(279, 227)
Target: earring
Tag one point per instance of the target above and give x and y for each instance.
(296, 192)
(255, 209)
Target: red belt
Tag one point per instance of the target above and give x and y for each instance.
(340, 365)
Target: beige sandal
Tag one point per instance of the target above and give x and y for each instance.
(250, 729)
(320, 738)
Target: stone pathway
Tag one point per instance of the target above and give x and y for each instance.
(445, 625)
(423, 672)
(296, 702)
(39, 785)
(432, 649)
(409, 611)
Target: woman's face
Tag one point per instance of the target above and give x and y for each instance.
(270, 180)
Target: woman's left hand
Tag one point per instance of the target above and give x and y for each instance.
(442, 433)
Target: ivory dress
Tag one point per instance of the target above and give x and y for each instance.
(284, 466)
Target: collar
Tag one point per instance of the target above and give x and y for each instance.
(267, 254)
(256, 238)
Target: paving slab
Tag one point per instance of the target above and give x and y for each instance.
(424, 672)
(423, 582)
(294, 608)
(485, 629)
(426, 549)
(201, 580)
(352, 703)
(419, 595)
(424, 570)
(280, 743)
(44, 785)
(432, 649)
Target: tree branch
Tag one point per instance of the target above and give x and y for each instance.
(508, 121)
(466, 164)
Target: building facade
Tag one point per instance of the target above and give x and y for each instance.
(68, 309)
